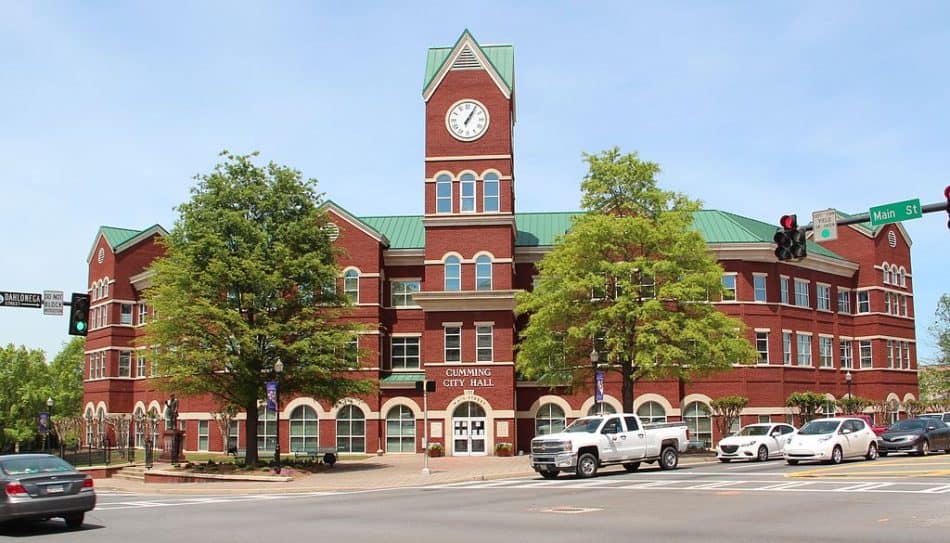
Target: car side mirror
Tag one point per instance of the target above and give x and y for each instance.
(929, 428)
(846, 431)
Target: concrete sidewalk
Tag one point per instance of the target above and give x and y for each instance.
(377, 472)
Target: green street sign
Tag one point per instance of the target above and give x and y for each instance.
(896, 212)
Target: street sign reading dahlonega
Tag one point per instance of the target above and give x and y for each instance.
(52, 302)
(825, 225)
(32, 300)
(896, 212)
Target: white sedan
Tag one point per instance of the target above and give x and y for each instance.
(832, 440)
(755, 442)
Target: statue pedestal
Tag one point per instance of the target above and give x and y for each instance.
(171, 446)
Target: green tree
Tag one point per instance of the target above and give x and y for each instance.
(940, 329)
(808, 404)
(66, 378)
(727, 410)
(914, 408)
(631, 280)
(249, 278)
(853, 404)
(25, 382)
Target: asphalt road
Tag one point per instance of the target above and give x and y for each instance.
(895, 499)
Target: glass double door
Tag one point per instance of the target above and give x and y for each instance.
(468, 430)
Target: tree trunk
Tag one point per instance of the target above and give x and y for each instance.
(250, 431)
(626, 370)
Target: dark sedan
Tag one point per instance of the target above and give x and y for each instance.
(917, 436)
(42, 486)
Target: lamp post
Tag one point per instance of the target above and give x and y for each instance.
(598, 380)
(278, 369)
(49, 422)
(847, 379)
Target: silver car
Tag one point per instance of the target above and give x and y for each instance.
(42, 486)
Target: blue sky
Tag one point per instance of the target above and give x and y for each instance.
(109, 111)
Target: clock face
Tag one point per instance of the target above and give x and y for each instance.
(467, 120)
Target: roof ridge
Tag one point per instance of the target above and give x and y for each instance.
(737, 223)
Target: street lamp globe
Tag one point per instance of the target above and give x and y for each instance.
(594, 357)
(847, 379)
(49, 402)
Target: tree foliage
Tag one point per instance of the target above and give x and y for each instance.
(853, 404)
(940, 329)
(727, 410)
(631, 279)
(248, 278)
(808, 404)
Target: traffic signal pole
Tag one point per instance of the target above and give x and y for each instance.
(866, 217)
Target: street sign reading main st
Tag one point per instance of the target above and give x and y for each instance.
(896, 212)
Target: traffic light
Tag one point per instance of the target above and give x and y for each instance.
(789, 239)
(79, 314)
(946, 194)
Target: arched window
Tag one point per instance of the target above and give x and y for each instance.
(100, 427)
(651, 412)
(400, 430)
(894, 274)
(351, 285)
(467, 196)
(266, 429)
(303, 429)
(601, 408)
(893, 411)
(89, 432)
(490, 189)
(139, 420)
(453, 273)
(350, 430)
(696, 416)
(105, 288)
(902, 276)
(887, 274)
(550, 420)
(443, 194)
(483, 273)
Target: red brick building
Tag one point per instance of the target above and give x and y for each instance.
(438, 290)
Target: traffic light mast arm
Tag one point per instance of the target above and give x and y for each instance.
(866, 217)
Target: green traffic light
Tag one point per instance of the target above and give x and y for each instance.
(81, 326)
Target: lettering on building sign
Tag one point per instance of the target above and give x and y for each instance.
(470, 377)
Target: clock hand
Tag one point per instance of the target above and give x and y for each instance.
(469, 118)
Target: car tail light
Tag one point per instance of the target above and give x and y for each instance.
(687, 434)
(15, 489)
(87, 483)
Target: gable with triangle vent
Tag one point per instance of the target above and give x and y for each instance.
(467, 54)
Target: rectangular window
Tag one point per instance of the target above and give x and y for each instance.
(728, 287)
(887, 303)
(453, 344)
(762, 347)
(443, 194)
(904, 306)
(140, 363)
(826, 359)
(865, 354)
(468, 194)
(125, 315)
(906, 355)
(234, 432)
(125, 363)
(402, 292)
(804, 350)
(202, 435)
(823, 292)
(844, 301)
(143, 314)
(787, 348)
(765, 419)
(864, 301)
(801, 293)
(758, 286)
(783, 284)
(404, 354)
(483, 343)
(352, 352)
(847, 354)
(490, 186)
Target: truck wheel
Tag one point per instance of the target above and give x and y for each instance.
(586, 466)
(631, 466)
(549, 473)
(669, 458)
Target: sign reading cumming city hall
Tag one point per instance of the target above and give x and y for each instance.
(468, 377)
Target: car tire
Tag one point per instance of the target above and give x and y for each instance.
(631, 466)
(74, 520)
(669, 458)
(872, 452)
(586, 466)
(924, 448)
(763, 453)
(549, 473)
(725, 460)
(837, 455)
(792, 462)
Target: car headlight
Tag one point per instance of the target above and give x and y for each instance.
(748, 443)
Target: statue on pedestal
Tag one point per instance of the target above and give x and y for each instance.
(171, 413)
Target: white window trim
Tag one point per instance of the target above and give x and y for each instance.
(450, 197)
(735, 287)
(765, 277)
(462, 197)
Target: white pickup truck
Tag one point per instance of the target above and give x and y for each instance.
(591, 442)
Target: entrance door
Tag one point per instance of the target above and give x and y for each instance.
(468, 430)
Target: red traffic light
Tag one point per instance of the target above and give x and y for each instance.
(946, 192)
(788, 222)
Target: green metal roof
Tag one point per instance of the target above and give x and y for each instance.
(117, 236)
(542, 229)
(402, 378)
(501, 57)
(724, 227)
(403, 232)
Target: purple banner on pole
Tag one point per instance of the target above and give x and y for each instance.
(272, 395)
(599, 389)
(44, 422)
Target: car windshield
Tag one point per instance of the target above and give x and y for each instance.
(904, 425)
(28, 466)
(583, 426)
(753, 431)
(818, 427)
(935, 416)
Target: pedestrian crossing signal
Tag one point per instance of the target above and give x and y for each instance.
(79, 314)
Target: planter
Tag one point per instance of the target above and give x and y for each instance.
(503, 449)
(435, 450)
